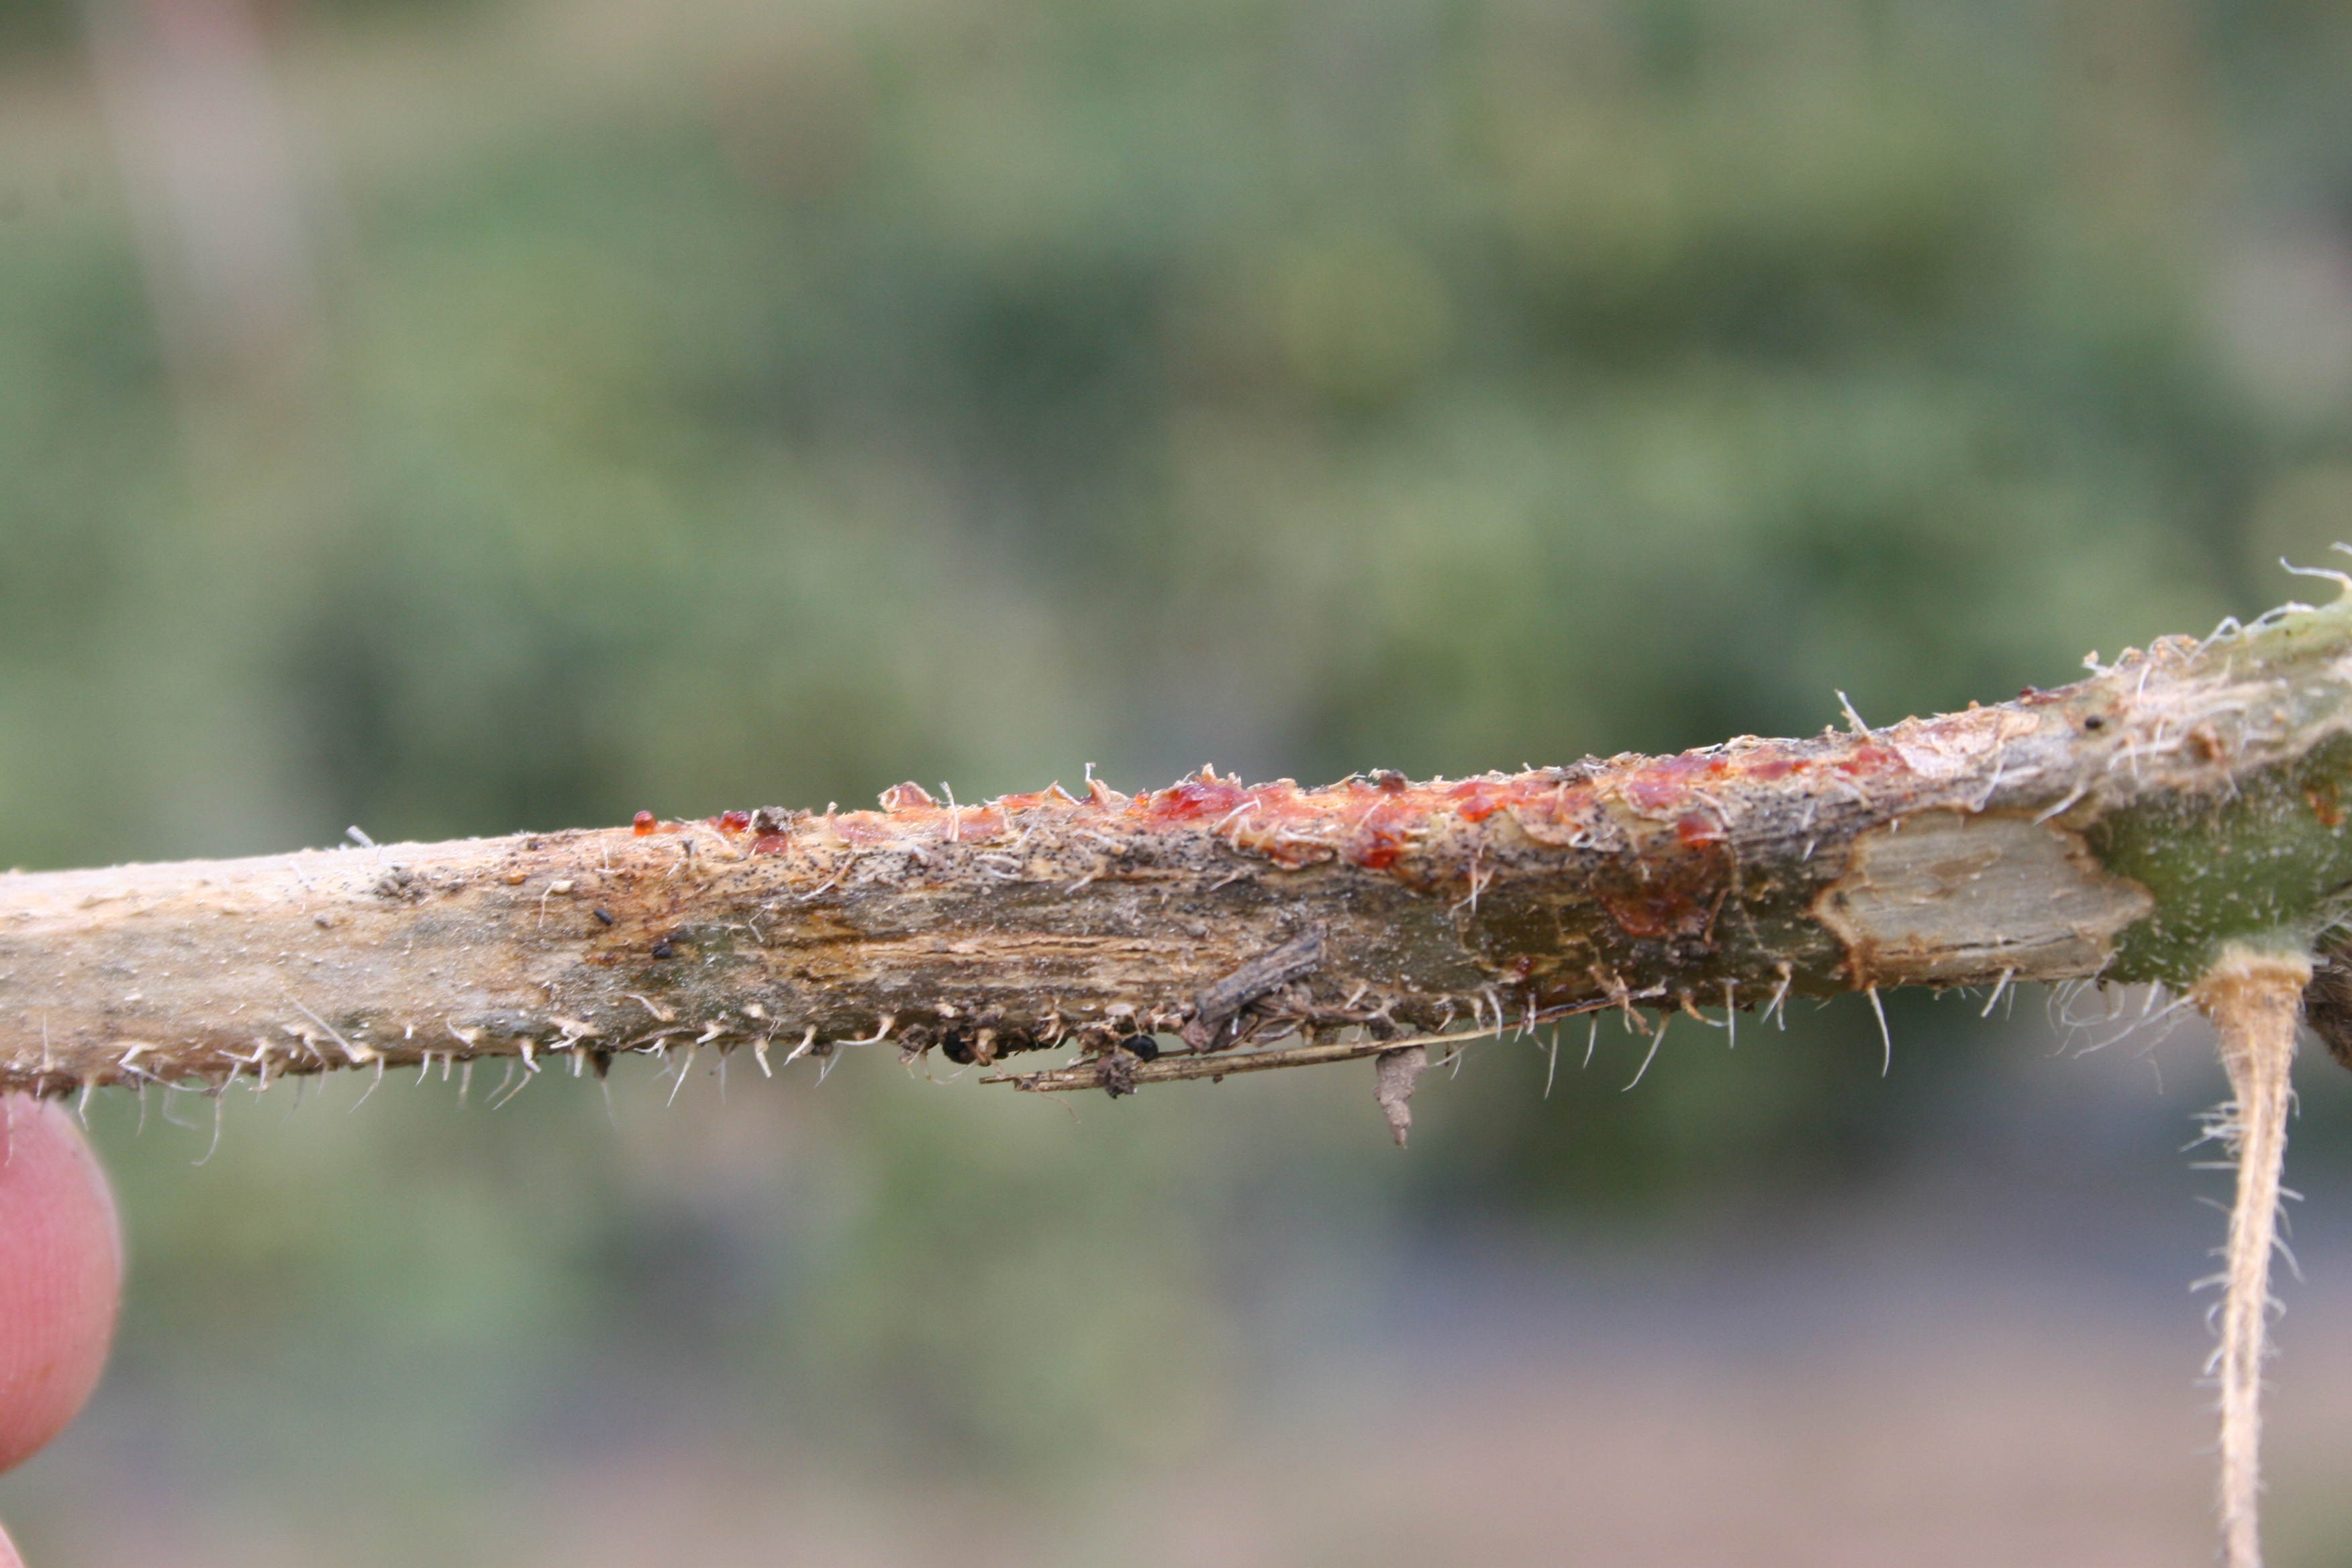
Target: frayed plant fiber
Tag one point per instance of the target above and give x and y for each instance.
(2255, 1001)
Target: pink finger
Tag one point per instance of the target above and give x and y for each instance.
(60, 1275)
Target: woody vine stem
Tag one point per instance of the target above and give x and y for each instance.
(2177, 818)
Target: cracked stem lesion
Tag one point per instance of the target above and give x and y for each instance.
(2198, 809)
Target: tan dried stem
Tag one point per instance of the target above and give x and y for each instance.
(2255, 1002)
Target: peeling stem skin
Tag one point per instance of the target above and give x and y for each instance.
(2123, 828)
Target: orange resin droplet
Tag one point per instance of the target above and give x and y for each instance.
(642, 824)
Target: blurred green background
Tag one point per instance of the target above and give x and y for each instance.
(453, 416)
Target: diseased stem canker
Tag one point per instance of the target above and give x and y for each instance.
(2124, 827)
(2178, 818)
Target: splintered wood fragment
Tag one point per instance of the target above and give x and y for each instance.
(1095, 1073)
(1222, 1000)
(1180, 1069)
(2120, 828)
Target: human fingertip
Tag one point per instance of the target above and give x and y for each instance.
(60, 1275)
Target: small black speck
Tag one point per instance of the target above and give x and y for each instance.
(1145, 1048)
(605, 915)
(2094, 723)
(662, 948)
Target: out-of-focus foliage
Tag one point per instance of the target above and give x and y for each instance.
(787, 405)
(696, 405)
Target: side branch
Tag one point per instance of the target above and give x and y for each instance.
(2124, 827)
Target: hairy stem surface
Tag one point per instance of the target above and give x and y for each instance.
(2126, 827)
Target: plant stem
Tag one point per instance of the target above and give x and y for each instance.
(2127, 827)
